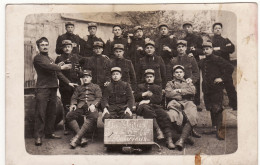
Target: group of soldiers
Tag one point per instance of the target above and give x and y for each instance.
(158, 80)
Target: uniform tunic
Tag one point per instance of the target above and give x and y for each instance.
(194, 41)
(128, 72)
(134, 54)
(74, 39)
(181, 102)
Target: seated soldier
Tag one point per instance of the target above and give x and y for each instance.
(150, 96)
(181, 108)
(84, 101)
(118, 100)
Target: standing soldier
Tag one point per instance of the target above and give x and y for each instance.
(117, 39)
(194, 48)
(66, 91)
(77, 42)
(223, 47)
(136, 48)
(99, 65)
(87, 48)
(215, 71)
(128, 72)
(84, 101)
(149, 96)
(165, 45)
(118, 100)
(46, 95)
(152, 61)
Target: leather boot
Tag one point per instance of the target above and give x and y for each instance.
(189, 141)
(74, 141)
(169, 143)
(221, 131)
(74, 126)
(195, 134)
(158, 130)
(184, 135)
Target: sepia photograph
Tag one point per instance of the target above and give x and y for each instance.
(133, 80)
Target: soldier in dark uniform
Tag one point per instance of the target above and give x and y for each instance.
(66, 91)
(84, 101)
(136, 47)
(152, 61)
(194, 48)
(77, 42)
(99, 65)
(46, 94)
(215, 71)
(165, 45)
(118, 100)
(223, 47)
(149, 96)
(128, 72)
(117, 39)
(87, 48)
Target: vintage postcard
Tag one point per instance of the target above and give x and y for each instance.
(131, 84)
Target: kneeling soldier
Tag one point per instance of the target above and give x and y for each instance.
(118, 99)
(84, 101)
(182, 110)
(150, 96)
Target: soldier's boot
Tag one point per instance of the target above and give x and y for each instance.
(213, 129)
(66, 125)
(74, 141)
(184, 135)
(158, 130)
(84, 141)
(189, 141)
(221, 130)
(169, 143)
(195, 134)
(74, 126)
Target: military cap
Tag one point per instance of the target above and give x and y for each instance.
(119, 46)
(92, 24)
(137, 28)
(207, 44)
(178, 67)
(114, 69)
(182, 42)
(217, 23)
(98, 44)
(87, 72)
(163, 24)
(117, 25)
(149, 71)
(150, 42)
(66, 42)
(69, 23)
(187, 23)
(41, 40)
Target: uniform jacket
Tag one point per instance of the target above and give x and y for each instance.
(87, 47)
(128, 72)
(74, 39)
(71, 74)
(195, 41)
(166, 41)
(109, 47)
(134, 54)
(190, 66)
(225, 51)
(187, 89)
(214, 67)
(152, 62)
(47, 72)
(118, 93)
(156, 98)
(86, 94)
(100, 67)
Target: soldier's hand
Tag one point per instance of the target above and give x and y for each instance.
(128, 111)
(172, 36)
(190, 55)
(106, 83)
(218, 80)
(144, 102)
(74, 44)
(61, 63)
(104, 112)
(192, 48)
(106, 57)
(202, 57)
(177, 90)
(166, 48)
(140, 48)
(73, 85)
(66, 67)
(216, 48)
(92, 108)
(189, 80)
(73, 107)
(144, 94)
(149, 93)
(163, 91)
(228, 44)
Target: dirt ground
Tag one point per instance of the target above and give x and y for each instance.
(207, 144)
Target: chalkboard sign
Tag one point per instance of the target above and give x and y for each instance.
(128, 131)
